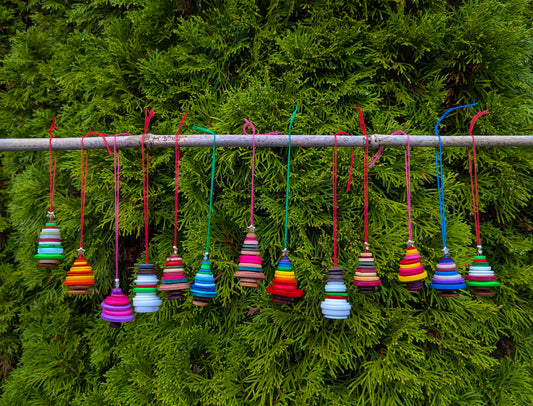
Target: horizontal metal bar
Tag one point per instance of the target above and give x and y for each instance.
(228, 140)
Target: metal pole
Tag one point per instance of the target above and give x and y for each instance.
(230, 140)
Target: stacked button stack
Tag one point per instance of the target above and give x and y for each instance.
(335, 304)
(447, 279)
(116, 308)
(366, 275)
(174, 281)
(481, 277)
(80, 278)
(283, 289)
(49, 250)
(411, 270)
(145, 299)
(204, 286)
(249, 270)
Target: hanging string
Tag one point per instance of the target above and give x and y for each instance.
(177, 157)
(440, 176)
(473, 179)
(52, 170)
(334, 179)
(83, 191)
(116, 181)
(407, 157)
(213, 157)
(83, 183)
(288, 179)
(365, 170)
(116, 178)
(246, 124)
(370, 165)
(146, 178)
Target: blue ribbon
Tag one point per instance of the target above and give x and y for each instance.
(440, 174)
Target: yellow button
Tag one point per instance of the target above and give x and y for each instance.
(80, 278)
(413, 278)
(410, 266)
(285, 275)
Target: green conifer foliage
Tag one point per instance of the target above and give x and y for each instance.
(97, 64)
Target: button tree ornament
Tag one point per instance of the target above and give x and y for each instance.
(116, 307)
(446, 280)
(204, 288)
(146, 299)
(80, 277)
(250, 268)
(335, 304)
(49, 249)
(284, 286)
(411, 269)
(366, 277)
(481, 277)
(173, 280)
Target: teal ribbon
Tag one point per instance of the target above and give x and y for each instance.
(288, 179)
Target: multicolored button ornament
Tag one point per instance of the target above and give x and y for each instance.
(116, 308)
(481, 277)
(145, 299)
(411, 269)
(203, 288)
(174, 281)
(49, 250)
(283, 288)
(249, 270)
(366, 274)
(80, 277)
(335, 304)
(447, 279)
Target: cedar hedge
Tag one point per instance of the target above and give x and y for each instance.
(97, 64)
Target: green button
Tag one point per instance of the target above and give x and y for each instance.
(284, 268)
(487, 283)
(145, 290)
